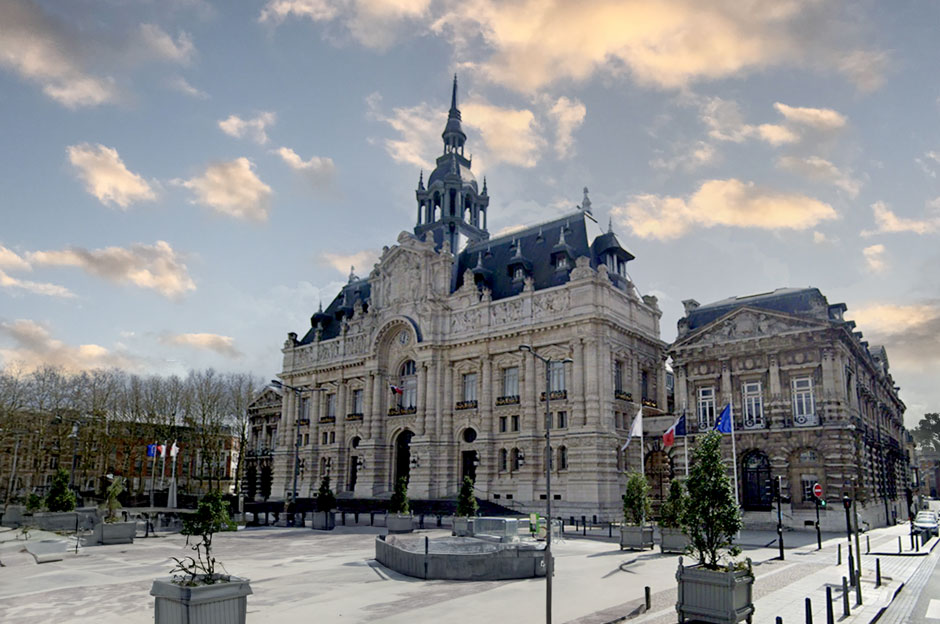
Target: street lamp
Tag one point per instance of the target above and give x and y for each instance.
(298, 392)
(549, 568)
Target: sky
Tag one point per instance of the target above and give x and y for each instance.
(184, 181)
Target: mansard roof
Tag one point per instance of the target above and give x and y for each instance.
(802, 302)
(342, 306)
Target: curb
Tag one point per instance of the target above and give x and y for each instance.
(885, 608)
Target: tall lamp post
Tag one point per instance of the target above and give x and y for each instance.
(297, 393)
(549, 567)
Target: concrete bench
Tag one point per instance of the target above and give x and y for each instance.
(45, 551)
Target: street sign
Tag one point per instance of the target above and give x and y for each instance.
(817, 491)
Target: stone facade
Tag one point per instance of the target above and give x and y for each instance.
(416, 370)
(812, 402)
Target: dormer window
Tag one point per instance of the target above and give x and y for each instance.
(562, 262)
(518, 273)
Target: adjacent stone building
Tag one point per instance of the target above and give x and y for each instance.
(813, 402)
(416, 370)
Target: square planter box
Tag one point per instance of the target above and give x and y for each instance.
(463, 527)
(636, 538)
(673, 540)
(716, 596)
(324, 520)
(13, 516)
(204, 604)
(116, 532)
(399, 523)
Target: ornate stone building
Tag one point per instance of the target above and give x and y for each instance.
(813, 403)
(416, 369)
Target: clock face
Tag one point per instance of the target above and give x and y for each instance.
(403, 337)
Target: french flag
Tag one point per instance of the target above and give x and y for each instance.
(677, 428)
(396, 389)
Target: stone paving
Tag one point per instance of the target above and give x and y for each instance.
(299, 574)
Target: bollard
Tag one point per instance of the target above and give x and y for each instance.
(779, 620)
(809, 611)
(610, 529)
(356, 518)
(913, 541)
(877, 572)
(344, 518)
(858, 593)
(371, 518)
(647, 597)
(899, 544)
(839, 556)
(867, 544)
(845, 598)
(851, 569)
(426, 557)
(583, 527)
(916, 545)
(830, 616)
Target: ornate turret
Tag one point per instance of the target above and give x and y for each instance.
(451, 208)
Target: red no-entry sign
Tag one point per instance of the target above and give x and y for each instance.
(817, 491)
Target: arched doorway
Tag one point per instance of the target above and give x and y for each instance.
(756, 478)
(658, 474)
(403, 455)
(469, 457)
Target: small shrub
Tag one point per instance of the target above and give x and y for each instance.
(466, 501)
(326, 500)
(211, 517)
(673, 508)
(33, 503)
(111, 503)
(636, 500)
(399, 502)
(60, 496)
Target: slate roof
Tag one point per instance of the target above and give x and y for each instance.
(805, 302)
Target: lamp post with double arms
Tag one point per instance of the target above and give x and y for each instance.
(549, 566)
(297, 395)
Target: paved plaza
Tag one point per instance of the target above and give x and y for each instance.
(299, 574)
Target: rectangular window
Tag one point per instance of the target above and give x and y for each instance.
(332, 437)
(804, 405)
(326, 438)
(470, 387)
(515, 422)
(511, 381)
(557, 377)
(807, 481)
(753, 401)
(306, 439)
(519, 273)
(618, 376)
(644, 385)
(331, 405)
(409, 397)
(304, 407)
(502, 424)
(357, 401)
(503, 461)
(562, 420)
(706, 407)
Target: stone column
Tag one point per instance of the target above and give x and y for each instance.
(367, 414)
(530, 398)
(592, 398)
(486, 388)
(377, 428)
(637, 381)
(339, 471)
(434, 393)
(682, 392)
(726, 389)
(829, 388)
(577, 398)
(661, 396)
(422, 398)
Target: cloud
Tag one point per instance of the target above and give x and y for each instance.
(776, 134)
(531, 44)
(162, 45)
(909, 332)
(364, 259)
(730, 203)
(510, 135)
(35, 347)
(865, 68)
(223, 345)
(154, 267)
(821, 239)
(319, 171)
(9, 259)
(106, 177)
(46, 51)
(725, 122)
(816, 168)
(252, 128)
(231, 189)
(926, 165)
(9, 282)
(875, 258)
(888, 222)
(568, 116)
(817, 118)
(688, 158)
(180, 84)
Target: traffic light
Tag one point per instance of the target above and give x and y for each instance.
(846, 502)
(820, 502)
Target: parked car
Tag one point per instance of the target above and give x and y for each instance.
(926, 522)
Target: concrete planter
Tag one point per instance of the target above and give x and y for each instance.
(203, 604)
(673, 540)
(399, 523)
(636, 537)
(66, 520)
(116, 532)
(463, 526)
(13, 516)
(324, 520)
(717, 596)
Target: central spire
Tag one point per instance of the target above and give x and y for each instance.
(453, 134)
(454, 111)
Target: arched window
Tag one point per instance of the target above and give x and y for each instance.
(408, 382)
(503, 460)
(518, 459)
(563, 458)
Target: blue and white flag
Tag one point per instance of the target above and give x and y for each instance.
(723, 424)
(151, 450)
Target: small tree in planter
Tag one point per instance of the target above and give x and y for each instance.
(635, 534)
(671, 515)
(466, 508)
(111, 531)
(60, 496)
(323, 518)
(33, 503)
(713, 591)
(399, 518)
(196, 593)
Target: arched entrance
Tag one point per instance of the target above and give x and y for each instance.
(403, 455)
(470, 459)
(658, 474)
(756, 479)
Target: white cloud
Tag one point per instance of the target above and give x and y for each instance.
(155, 267)
(725, 122)
(816, 118)
(223, 345)
(820, 238)
(106, 177)
(232, 189)
(816, 168)
(888, 222)
(180, 84)
(510, 135)
(44, 50)
(775, 134)
(316, 10)
(9, 259)
(928, 162)
(729, 203)
(319, 170)
(163, 46)
(35, 347)
(688, 158)
(875, 258)
(568, 116)
(866, 68)
(9, 282)
(364, 259)
(909, 331)
(252, 128)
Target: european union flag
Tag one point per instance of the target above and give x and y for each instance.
(151, 450)
(723, 424)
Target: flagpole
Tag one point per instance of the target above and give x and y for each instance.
(642, 459)
(734, 454)
(685, 442)
(153, 470)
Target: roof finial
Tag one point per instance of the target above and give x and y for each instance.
(352, 273)
(479, 260)
(586, 203)
(421, 180)
(561, 234)
(484, 185)
(610, 225)
(453, 96)
(320, 309)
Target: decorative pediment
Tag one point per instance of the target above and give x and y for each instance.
(748, 323)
